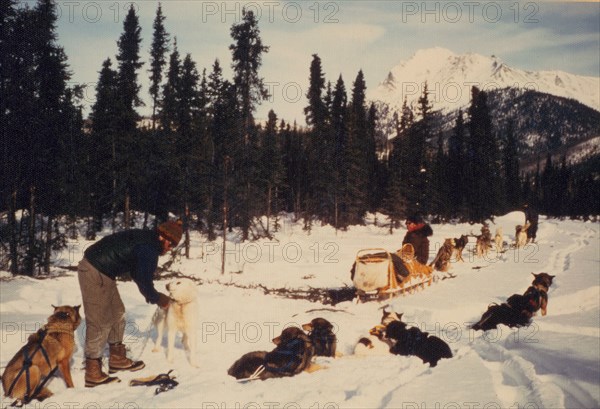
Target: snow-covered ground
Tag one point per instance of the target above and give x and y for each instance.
(554, 363)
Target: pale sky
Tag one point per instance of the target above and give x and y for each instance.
(348, 36)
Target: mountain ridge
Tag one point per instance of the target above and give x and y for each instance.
(450, 76)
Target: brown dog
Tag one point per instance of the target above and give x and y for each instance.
(521, 235)
(542, 283)
(320, 332)
(51, 347)
(293, 354)
(484, 241)
(459, 245)
(499, 240)
(442, 260)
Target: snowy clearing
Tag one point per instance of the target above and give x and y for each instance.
(554, 363)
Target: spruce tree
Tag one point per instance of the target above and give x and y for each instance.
(160, 46)
(104, 138)
(357, 156)
(250, 90)
(510, 154)
(169, 108)
(418, 172)
(438, 185)
(247, 59)
(271, 168)
(484, 184)
(321, 199)
(372, 163)
(398, 183)
(339, 131)
(129, 63)
(456, 167)
(187, 143)
(17, 103)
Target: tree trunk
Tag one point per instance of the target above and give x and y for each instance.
(29, 259)
(269, 207)
(114, 186)
(225, 210)
(12, 233)
(126, 211)
(336, 213)
(48, 246)
(186, 225)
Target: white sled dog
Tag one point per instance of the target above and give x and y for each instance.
(181, 315)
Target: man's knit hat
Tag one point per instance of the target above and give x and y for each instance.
(415, 218)
(171, 231)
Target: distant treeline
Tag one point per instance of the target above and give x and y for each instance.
(203, 156)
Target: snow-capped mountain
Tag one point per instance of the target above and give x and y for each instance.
(450, 77)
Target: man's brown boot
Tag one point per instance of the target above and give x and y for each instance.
(94, 375)
(118, 360)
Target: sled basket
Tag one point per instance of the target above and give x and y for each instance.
(374, 270)
(378, 275)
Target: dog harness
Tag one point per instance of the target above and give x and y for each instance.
(27, 362)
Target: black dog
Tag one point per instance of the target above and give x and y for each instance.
(293, 354)
(497, 314)
(515, 312)
(247, 365)
(320, 332)
(518, 309)
(412, 341)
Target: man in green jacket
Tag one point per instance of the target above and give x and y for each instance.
(134, 252)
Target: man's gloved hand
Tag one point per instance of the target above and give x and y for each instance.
(163, 301)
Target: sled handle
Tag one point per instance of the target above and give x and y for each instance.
(371, 250)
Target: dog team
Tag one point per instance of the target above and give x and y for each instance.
(452, 248)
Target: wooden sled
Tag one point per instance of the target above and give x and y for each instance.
(381, 275)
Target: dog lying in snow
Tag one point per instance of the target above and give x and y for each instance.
(181, 315)
(542, 282)
(518, 309)
(413, 341)
(376, 342)
(292, 355)
(320, 332)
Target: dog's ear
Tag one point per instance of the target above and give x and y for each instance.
(54, 306)
(400, 317)
(277, 340)
(76, 308)
(307, 326)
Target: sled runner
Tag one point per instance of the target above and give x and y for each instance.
(378, 274)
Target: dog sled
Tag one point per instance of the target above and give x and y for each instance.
(378, 274)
